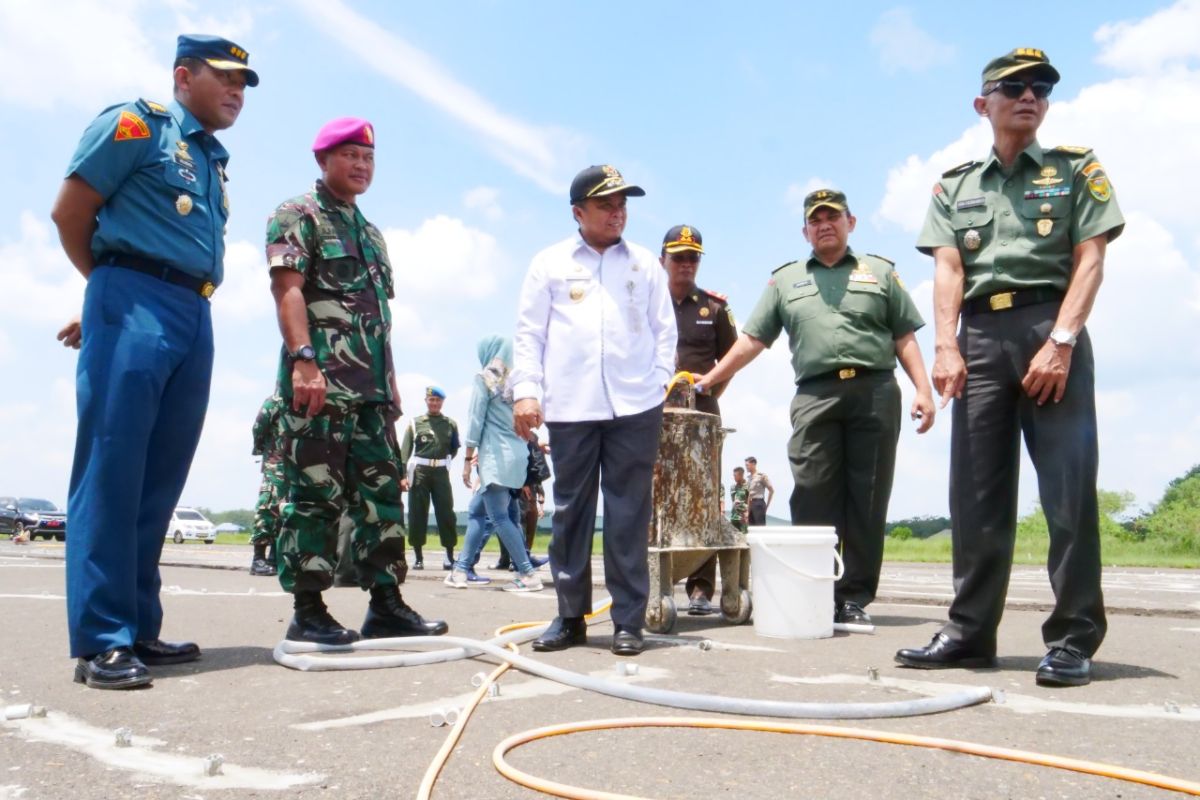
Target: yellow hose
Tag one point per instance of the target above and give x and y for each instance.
(443, 754)
(1022, 756)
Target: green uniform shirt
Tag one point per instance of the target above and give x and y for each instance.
(266, 433)
(739, 496)
(430, 437)
(347, 285)
(1018, 230)
(847, 315)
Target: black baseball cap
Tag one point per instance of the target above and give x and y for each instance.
(601, 180)
(683, 237)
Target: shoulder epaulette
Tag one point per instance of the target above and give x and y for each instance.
(716, 295)
(961, 168)
(153, 108)
(788, 264)
(888, 261)
(1073, 149)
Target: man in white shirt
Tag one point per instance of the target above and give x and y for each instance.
(593, 352)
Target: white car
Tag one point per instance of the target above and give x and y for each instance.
(188, 523)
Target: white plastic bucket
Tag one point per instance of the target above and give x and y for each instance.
(792, 576)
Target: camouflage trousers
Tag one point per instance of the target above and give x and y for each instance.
(271, 494)
(342, 460)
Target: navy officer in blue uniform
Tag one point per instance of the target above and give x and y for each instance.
(142, 216)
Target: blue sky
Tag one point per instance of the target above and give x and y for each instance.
(726, 115)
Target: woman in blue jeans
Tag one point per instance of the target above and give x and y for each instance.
(501, 457)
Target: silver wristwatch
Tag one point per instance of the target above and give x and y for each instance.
(1062, 336)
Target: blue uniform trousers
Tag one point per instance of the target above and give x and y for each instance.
(142, 389)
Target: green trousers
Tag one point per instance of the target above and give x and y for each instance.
(270, 494)
(431, 483)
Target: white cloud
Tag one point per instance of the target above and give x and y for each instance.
(793, 196)
(245, 294)
(543, 154)
(38, 279)
(1164, 39)
(903, 46)
(485, 199)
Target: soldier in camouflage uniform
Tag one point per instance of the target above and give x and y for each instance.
(739, 498)
(268, 444)
(332, 280)
(430, 444)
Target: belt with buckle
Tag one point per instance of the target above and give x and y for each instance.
(156, 269)
(430, 462)
(843, 374)
(1002, 301)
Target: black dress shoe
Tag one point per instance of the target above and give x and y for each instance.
(1063, 667)
(388, 615)
(260, 567)
(562, 633)
(447, 564)
(944, 653)
(156, 652)
(851, 613)
(312, 622)
(627, 641)
(419, 563)
(502, 564)
(699, 606)
(118, 668)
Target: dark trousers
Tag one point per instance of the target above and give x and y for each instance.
(843, 457)
(141, 387)
(616, 456)
(758, 511)
(431, 483)
(985, 452)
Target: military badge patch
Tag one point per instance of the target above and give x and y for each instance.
(1097, 182)
(130, 126)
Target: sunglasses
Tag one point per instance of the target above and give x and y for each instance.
(1012, 88)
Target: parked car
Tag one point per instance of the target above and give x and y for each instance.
(188, 523)
(34, 516)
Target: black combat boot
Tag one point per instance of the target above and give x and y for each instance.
(388, 615)
(418, 559)
(312, 622)
(258, 562)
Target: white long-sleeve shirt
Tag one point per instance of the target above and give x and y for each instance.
(595, 332)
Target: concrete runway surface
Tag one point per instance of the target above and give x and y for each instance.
(367, 734)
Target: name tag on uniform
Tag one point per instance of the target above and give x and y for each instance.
(704, 322)
(802, 284)
(863, 277)
(973, 202)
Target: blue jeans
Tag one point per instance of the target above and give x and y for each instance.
(493, 503)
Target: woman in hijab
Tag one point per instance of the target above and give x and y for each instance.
(502, 458)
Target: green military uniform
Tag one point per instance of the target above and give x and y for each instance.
(345, 456)
(739, 499)
(842, 323)
(1016, 230)
(430, 443)
(271, 493)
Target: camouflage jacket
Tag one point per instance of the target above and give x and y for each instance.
(347, 285)
(739, 496)
(266, 430)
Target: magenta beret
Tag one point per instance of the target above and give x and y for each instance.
(343, 130)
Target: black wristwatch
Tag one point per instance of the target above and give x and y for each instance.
(304, 353)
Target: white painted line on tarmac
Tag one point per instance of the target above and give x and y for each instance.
(177, 591)
(25, 563)
(40, 596)
(141, 759)
(533, 687)
(1185, 630)
(1019, 703)
(12, 791)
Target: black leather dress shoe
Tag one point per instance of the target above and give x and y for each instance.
(388, 615)
(851, 613)
(945, 653)
(1063, 667)
(562, 633)
(699, 606)
(627, 641)
(156, 652)
(419, 564)
(118, 668)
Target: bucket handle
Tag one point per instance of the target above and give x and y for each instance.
(841, 568)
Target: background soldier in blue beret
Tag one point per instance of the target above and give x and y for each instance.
(848, 319)
(1018, 242)
(430, 443)
(142, 216)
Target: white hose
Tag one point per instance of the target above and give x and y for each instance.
(298, 655)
